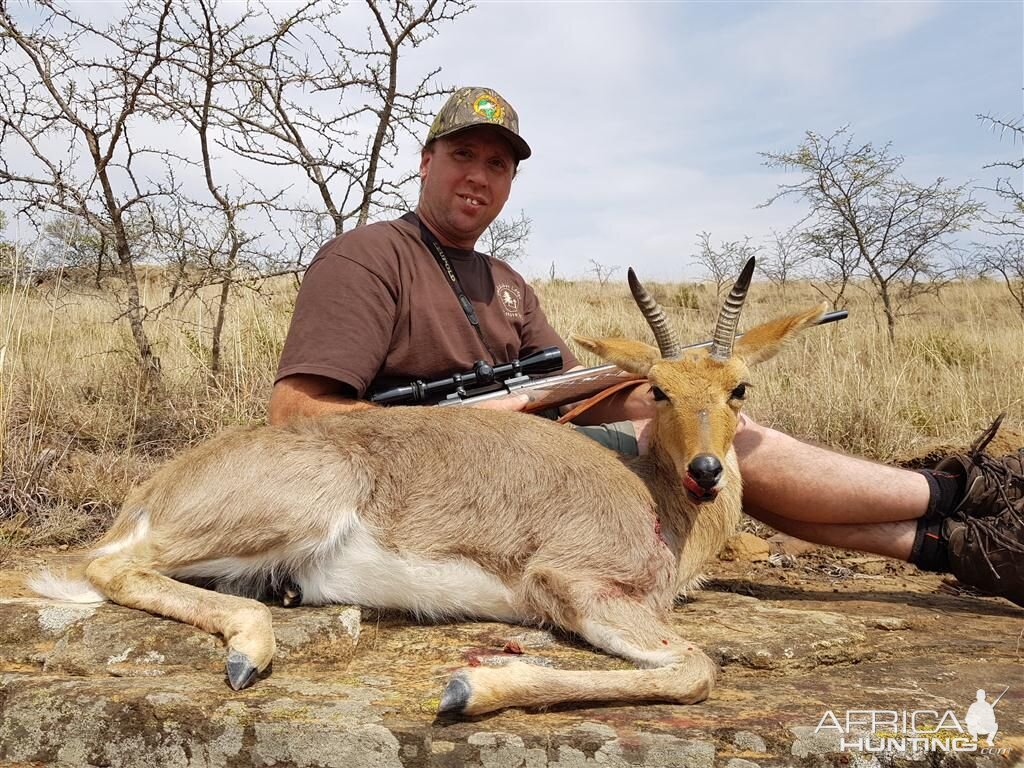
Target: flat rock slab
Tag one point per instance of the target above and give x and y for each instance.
(106, 639)
(109, 686)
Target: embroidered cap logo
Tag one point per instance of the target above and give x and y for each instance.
(488, 108)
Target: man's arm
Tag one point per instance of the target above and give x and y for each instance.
(303, 395)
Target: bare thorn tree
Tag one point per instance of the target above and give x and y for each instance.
(1006, 259)
(208, 234)
(1006, 256)
(1009, 221)
(313, 100)
(601, 272)
(788, 255)
(722, 264)
(270, 86)
(505, 239)
(66, 81)
(895, 230)
(833, 262)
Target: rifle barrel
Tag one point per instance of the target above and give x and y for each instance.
(828, 317)
(588, 381)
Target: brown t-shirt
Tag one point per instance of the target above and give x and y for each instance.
(375, 311)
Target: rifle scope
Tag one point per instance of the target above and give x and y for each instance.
(547, 360)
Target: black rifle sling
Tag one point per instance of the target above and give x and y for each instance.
(437, 250)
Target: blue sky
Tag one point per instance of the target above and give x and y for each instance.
(646, 119)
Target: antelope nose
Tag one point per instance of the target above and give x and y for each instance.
(706, 470)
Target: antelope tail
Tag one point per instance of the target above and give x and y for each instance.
(69, 587)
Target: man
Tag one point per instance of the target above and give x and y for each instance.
(410, 299)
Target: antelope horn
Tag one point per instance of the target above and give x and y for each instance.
(668, 341)
(729, 317)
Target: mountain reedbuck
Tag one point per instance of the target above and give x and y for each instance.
(459, 512)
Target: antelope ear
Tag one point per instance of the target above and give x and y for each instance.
(764, 341)
(633, 356)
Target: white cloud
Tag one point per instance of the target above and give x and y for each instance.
(646, 119)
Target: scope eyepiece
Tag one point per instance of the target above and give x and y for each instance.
(484, 372)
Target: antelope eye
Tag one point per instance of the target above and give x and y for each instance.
(658, 394)
(739, 393)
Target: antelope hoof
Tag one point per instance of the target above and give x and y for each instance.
(241, 671)
(291, 596)
(456, 696)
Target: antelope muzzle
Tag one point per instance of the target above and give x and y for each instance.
(702, 477)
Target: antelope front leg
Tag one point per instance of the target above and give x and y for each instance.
(245, 624)
(681, 672)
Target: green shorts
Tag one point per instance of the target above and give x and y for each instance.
(619, 436)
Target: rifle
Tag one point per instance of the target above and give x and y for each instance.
(484, 378)
(485, 383)
(1000, 696)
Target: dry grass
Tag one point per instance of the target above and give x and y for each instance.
(77, 429)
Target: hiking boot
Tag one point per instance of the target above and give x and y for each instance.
(985, 530)
(989, 483)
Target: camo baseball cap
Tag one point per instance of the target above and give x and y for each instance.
(469, 107)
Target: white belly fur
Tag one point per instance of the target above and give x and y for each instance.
(360, 571)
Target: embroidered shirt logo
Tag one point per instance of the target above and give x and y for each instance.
(511, 300)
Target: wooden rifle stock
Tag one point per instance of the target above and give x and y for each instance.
(553, 391)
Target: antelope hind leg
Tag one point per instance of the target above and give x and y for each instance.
(681, 672)
(245, 624)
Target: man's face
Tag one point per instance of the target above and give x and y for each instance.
(466, 179)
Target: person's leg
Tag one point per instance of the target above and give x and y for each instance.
(889, 539)
(966, 516)
(785, 478)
